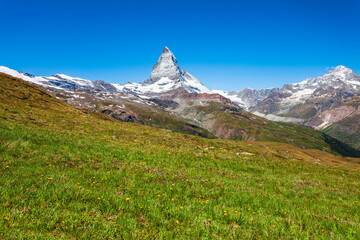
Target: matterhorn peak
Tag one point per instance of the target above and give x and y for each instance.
(166, 50)
(165, 67)
(166, 75)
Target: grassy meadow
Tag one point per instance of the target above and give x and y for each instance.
(70, 174)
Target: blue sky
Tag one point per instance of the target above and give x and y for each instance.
(228, 45)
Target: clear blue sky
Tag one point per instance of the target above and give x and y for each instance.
(228, 45)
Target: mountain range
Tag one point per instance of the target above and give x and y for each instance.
(188, 106)
(326, 103)
(70, 173)
(166, 75)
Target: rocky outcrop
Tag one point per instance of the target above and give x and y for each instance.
(122, 115)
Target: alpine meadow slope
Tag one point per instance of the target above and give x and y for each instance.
(226, 120)
(72, 174)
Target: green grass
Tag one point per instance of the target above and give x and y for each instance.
(66, 174)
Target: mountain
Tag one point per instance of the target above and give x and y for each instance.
(302, 101)
(165, 76)
(68, 173)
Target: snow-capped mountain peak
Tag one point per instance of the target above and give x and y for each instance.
(166, 66)
(339, 73)
(166, 75)
(313, 95)
(166, 50)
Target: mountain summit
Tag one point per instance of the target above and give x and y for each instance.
(343, 73)
(165, 67)
(166, 75)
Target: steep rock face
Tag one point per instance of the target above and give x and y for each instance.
(166, 67)
(306, 99)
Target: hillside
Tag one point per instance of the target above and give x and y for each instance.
(128, 108)
(199, 114)
(226, 120)
(72, 174)
(342, 122)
